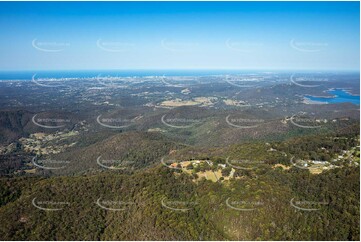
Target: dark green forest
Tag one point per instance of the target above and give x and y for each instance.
(158, 203)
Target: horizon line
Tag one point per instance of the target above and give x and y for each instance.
(179, 69)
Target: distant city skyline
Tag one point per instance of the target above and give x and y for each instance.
(179, 36)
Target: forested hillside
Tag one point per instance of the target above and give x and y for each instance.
(161, 204)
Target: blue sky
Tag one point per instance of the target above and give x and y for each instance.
(179, 35)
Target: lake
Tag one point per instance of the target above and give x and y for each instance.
(339, 96)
